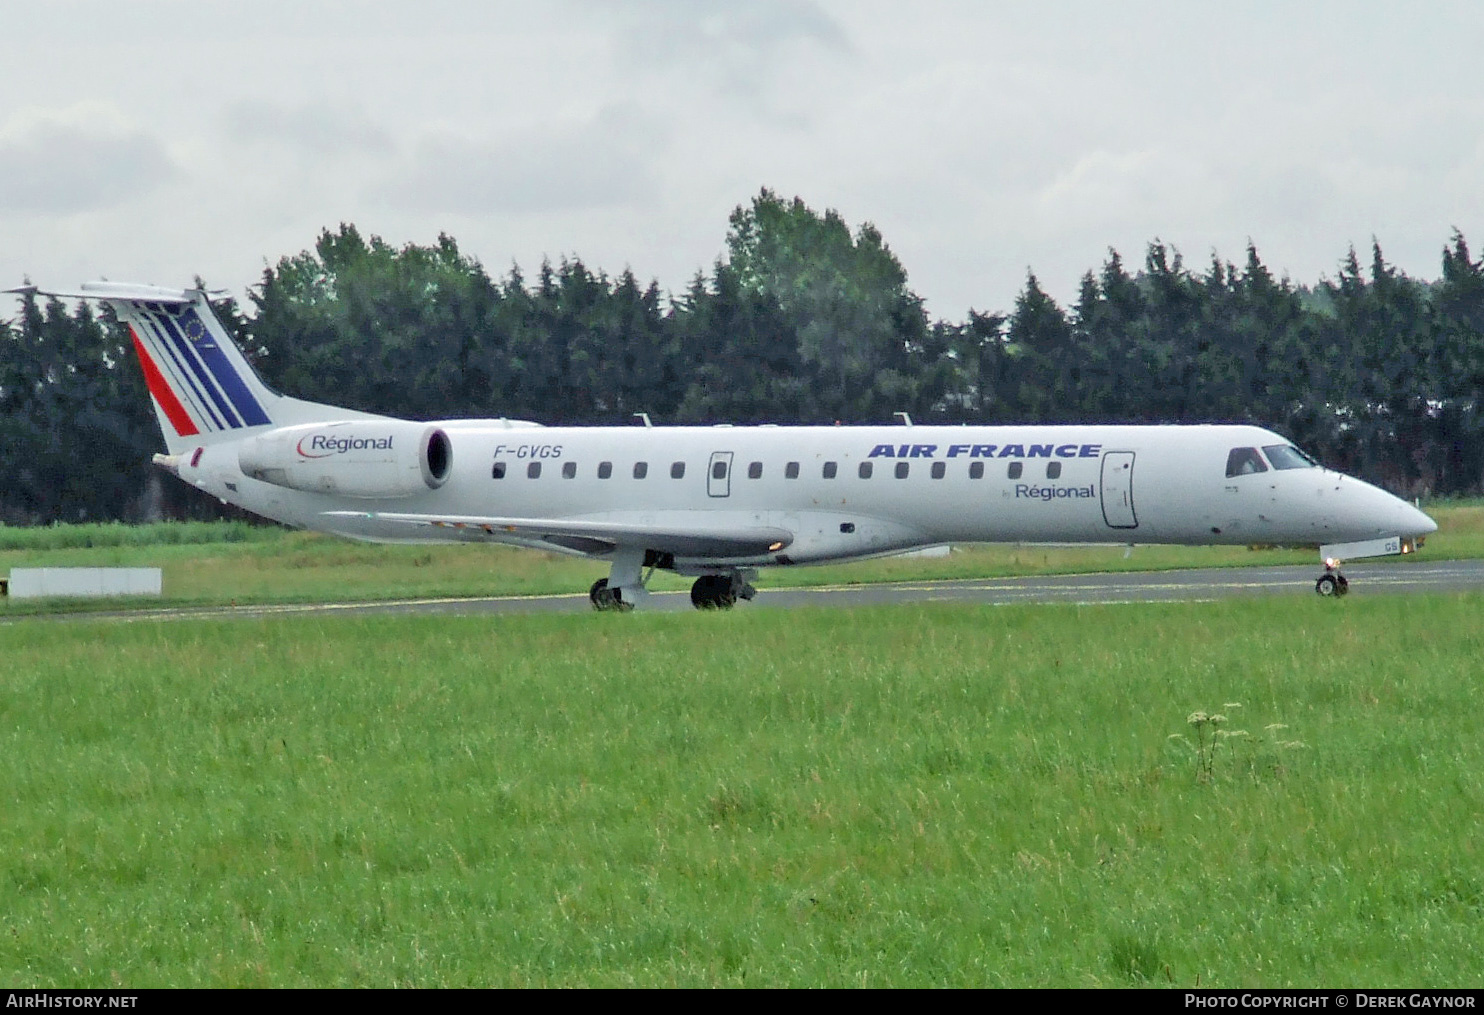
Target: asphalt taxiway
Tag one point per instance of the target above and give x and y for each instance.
(1201, 585)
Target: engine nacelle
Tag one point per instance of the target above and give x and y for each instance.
(355, 458)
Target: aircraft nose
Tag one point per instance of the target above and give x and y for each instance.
(1410, 521)
(1386, 514)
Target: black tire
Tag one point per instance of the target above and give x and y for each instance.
(703, 592)
(713, 592)
(601, 598)
(1327, 585)
(606, 599)
(1341, 585)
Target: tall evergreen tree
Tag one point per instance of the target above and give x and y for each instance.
(845, 296)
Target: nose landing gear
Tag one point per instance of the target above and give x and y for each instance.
(1332, 582)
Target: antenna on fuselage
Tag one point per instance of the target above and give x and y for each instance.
(645, 417)
(906, 419)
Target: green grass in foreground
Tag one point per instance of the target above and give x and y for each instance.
(264, 565)
(904, 796)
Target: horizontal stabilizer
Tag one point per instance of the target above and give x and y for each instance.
(126, 291)
(680, 540)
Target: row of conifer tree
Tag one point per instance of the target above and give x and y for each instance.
(802, 320)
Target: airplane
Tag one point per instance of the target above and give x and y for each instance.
(717, 503)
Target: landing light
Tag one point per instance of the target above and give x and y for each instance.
(774, 547)
(1331, 562)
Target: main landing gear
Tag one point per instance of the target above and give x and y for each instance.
(1331, 583)
(710, 592)
(605, 598)
(720, 591)
(627, 584)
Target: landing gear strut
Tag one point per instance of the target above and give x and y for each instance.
(626, 585)
(720, 591)
(1331, 583)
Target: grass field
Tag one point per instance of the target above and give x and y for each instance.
(234, 562)
(930, 795)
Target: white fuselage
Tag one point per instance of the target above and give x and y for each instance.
(717, 502)
(926, 485)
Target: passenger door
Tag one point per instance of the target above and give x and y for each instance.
(1118, 490)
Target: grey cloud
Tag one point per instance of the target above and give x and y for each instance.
(313, 129)
(758, 28)
(603, 163)
(738, 46)
(64, 168)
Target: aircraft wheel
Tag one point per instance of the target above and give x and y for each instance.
(1327, 585)
(605, 598)
(1341, 585)
(703, 593)
(602, 597)
(713, 592)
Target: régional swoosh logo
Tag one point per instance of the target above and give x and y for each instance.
(308, 454)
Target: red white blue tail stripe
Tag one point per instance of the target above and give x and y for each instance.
(188, 365)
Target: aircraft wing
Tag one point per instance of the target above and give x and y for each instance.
(682, 540)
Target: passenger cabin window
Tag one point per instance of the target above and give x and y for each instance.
(719, 469)
(499, 471)
(1053, 470)
(677, 470)
(605, 469)
(791, 470)
(864, 471)
(829, 470)
(1244, 462)
(902, 470)
(1285, 456)
(976, 470)
(939, 469)
(755, 470)
(1016, 468)
(533, 471)
(641, 469)
(569, 470)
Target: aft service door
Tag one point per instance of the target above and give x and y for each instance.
(1118, 490)
(719, 474)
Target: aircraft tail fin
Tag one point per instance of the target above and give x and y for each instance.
(203, 388)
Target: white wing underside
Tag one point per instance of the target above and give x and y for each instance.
(693, 541)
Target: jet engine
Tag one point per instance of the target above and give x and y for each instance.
(356, 458)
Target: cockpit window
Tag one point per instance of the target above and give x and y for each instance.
(1244, 462)
(1284, 456)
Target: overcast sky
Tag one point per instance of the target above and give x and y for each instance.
(155, 141)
